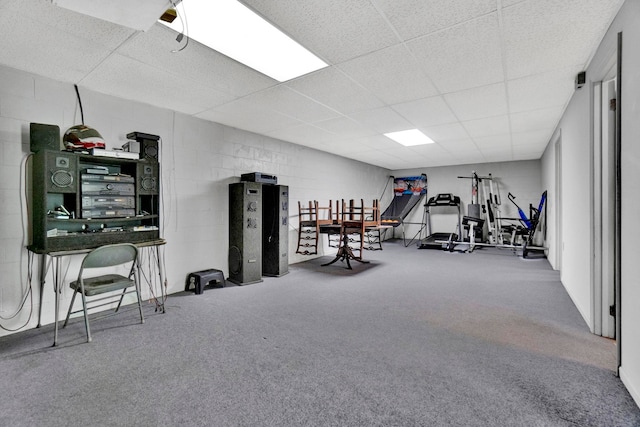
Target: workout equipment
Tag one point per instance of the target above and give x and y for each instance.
(485, 205)
(523, 216)
(474, 227)
(528, 225)
(407, 191)
(440, 240)
(473, 209)
(492, 209)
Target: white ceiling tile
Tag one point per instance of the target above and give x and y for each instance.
(540, 35)
(374, 157)
(537, 91)
(345, 127)
(426, 112)
(489, 126)
(478, 103)
(45, 14)
(304, 134)
(332, 88)
(244, 115)
(451, 131)
(289, 102)
(402, 153)
(457, 146)
(391, 73)
(335, 30)
(129, 79)
(528, 150)
(462, 57)
(382, 120)
(430, 151)
(545, 119)
(392, 162)
(347, 147)
(536, 138)
(408, 16)
(378, 142)
(468, 157)
(494, 156)
(494, 142)
(64, 57)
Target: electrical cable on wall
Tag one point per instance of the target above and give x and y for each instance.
(28, 292)
(79, 103)
(185, 28)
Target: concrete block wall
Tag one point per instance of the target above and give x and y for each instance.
(199, 159)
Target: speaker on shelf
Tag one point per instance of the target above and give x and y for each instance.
(149, 148)
(148, 179)
(275, 230)
(245, 233)
(60, 172)
(44, 137)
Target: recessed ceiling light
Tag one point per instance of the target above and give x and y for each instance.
(410, 137)
(236, 31)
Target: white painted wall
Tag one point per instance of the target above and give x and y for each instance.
(521, 178)
(576, 172)
(199, 160)
(628, 22)
(549, 182)
(576, 209)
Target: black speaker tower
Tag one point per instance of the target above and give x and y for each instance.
(245, 233)
(275, 230)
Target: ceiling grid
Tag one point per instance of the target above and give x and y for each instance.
(487, 80)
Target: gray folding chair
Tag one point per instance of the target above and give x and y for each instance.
(92, 288)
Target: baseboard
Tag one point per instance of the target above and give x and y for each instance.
(633, 391)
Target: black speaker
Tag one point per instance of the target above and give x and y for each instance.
(149, 148)
(148, 179)
(60, 172)
(275, 230)
(581, 79)
(44, 137)
(245, 233)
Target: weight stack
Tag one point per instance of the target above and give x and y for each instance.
(275, 230)
(245, 233)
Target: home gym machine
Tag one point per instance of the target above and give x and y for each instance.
(440, 240)
(485, 207)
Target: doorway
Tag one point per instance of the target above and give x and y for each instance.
(604, 206)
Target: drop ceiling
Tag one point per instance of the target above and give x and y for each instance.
(488, 80)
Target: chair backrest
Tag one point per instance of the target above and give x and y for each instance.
(325, 213)
(308, 213)
(353, 213)
(110, 255)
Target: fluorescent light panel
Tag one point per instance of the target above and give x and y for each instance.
(410, 137)
(234, 30)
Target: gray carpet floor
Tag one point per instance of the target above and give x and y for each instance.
(414, 338)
